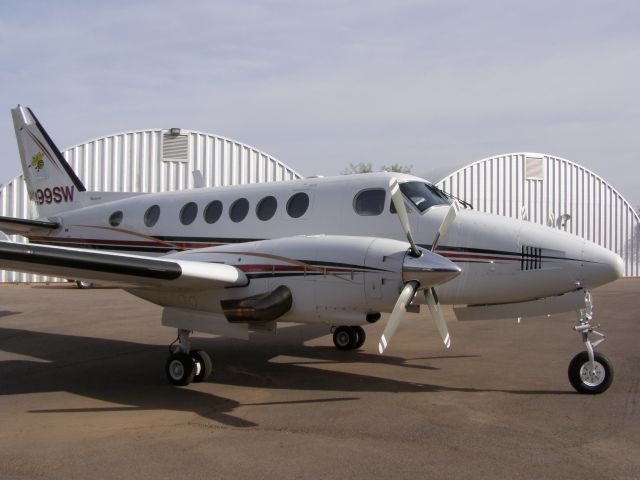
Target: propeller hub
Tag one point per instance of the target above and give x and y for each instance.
(429, 269)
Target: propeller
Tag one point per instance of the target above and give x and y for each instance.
(444, 226)
(398, 203)
(407, 294)
(436, 314)
(421, 269)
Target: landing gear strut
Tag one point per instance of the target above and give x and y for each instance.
(589, 372)
(349, 338)
(185, 365)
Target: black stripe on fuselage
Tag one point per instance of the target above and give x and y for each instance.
(206, 239)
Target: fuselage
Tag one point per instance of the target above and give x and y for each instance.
(502, 259)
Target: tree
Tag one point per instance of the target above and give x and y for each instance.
(368, 168)
(358, 168)
(396, 167)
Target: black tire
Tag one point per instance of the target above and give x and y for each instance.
(82, 285)
(362, 336)
(586, 382)
(180, 369)
(345, 338)
(204, 366)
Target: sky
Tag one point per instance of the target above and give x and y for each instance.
(322, 84)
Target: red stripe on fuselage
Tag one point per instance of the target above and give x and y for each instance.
(263, 268)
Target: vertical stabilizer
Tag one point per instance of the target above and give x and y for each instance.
(52, 184)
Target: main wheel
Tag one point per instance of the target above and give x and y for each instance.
(345, 338)
(180, 369)
(203, 365)
(587, 380)
(362, 336)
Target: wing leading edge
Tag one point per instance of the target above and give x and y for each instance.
(117, 269)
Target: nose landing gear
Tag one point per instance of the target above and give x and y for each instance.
(589, 372)
(185, 365)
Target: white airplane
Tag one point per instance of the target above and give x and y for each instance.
(336, 251)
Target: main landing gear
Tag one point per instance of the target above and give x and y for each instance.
(185, 365)
(589, 372)
(348, 338)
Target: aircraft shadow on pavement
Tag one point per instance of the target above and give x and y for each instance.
(132, 374)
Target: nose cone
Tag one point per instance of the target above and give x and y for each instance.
(429, 269)
(599, 265)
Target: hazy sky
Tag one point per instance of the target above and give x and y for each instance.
(321, 84)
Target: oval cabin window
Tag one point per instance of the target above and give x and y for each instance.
(298, 205)
(115, 219)
(266, 208)
(188, 213)
(239, 210)
(152, 215)
(213, 211)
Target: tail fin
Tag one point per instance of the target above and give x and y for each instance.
(52, 184)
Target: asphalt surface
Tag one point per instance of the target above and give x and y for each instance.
(83, 395)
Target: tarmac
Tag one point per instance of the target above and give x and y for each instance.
(83, 394)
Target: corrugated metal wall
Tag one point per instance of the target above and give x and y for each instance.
(151, 161)
(541, 188)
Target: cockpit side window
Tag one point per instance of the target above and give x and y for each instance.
(424, 195)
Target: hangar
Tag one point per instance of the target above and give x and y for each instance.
(551, 191)
(154, 160)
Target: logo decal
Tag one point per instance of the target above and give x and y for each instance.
(37, 161)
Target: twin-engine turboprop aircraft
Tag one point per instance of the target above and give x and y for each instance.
(337, 251)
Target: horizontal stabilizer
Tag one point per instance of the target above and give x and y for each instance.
(116, 269)
(21, 226)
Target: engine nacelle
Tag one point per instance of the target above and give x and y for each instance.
(338, 280)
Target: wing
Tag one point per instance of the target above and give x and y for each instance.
(117, 269)
(20, 226)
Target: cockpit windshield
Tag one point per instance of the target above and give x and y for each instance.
(424, 195)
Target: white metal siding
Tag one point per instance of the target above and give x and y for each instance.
(510, 184)
(133, 162)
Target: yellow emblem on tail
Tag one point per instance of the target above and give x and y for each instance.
(37, 161)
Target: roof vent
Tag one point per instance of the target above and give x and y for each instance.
(175, 147)
(533, 168)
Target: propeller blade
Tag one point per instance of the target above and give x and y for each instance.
(399, 310)
(438, 317)
(401, 210)
(444, 226)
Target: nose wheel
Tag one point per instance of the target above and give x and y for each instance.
(590, 372)
(591, 377)
(185, 365)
